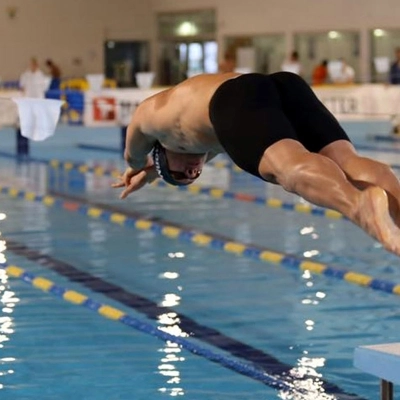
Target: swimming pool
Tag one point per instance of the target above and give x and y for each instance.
(190, 264)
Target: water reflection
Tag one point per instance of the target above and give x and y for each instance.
(307, 381)
(170, 300)
(311, 253)
(171, 357)
(8, 301)
(169, 275)
(306, 377)
(169, 368)
(178, 254)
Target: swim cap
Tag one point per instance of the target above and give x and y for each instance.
(161, 164)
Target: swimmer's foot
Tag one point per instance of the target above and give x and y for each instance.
(374, 217)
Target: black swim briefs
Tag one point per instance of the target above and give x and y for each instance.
(253, 111)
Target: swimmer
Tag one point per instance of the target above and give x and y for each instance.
(273, 127)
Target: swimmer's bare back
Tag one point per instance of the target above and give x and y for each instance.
(179, 117)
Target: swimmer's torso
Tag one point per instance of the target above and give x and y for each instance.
(179, 117)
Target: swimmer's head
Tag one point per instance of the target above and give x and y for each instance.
(187, 170)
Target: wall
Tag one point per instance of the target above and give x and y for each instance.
(254, 17)
(263, 16)
(64, 30)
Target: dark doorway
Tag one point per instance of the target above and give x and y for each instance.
(183, 59)
(123, 59)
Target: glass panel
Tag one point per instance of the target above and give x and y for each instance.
(210, 57)
(123, 59)
(332, 45)
(183, 53)
(269, 50)
(187, 45)
(173, 63)
(179, 60)
(195, 59)
(270, 53)
(384, 43)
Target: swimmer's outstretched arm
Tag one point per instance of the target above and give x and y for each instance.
(137, 145)
(140, 170)
(132, 180)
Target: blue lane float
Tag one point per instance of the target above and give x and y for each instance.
(141, 222)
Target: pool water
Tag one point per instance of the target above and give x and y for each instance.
(246, 328)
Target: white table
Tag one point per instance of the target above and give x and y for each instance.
(382, 361)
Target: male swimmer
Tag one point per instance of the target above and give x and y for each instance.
(272, 126)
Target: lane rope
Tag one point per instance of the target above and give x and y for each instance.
(115, 314)
(202, 333)
(213, 192)
(227, 245)
(302, 208)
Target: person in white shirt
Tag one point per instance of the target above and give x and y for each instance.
(33, 81)
(292, 64)
(344, 74)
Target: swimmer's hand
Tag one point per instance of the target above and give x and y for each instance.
(133, 180)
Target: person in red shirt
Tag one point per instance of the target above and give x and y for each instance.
(320, 73)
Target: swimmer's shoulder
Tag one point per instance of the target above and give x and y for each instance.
(204, 80)
(148, 106)
(185, 90)
(199, 87)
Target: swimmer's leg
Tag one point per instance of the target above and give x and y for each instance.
(320, 181)
(364, 172)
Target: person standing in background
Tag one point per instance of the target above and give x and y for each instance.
(394, 73)
(228, 64)
(292, 64)
(55, 74)
(33, 84)
(33, 81)
(345, 73)
(320, 73)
